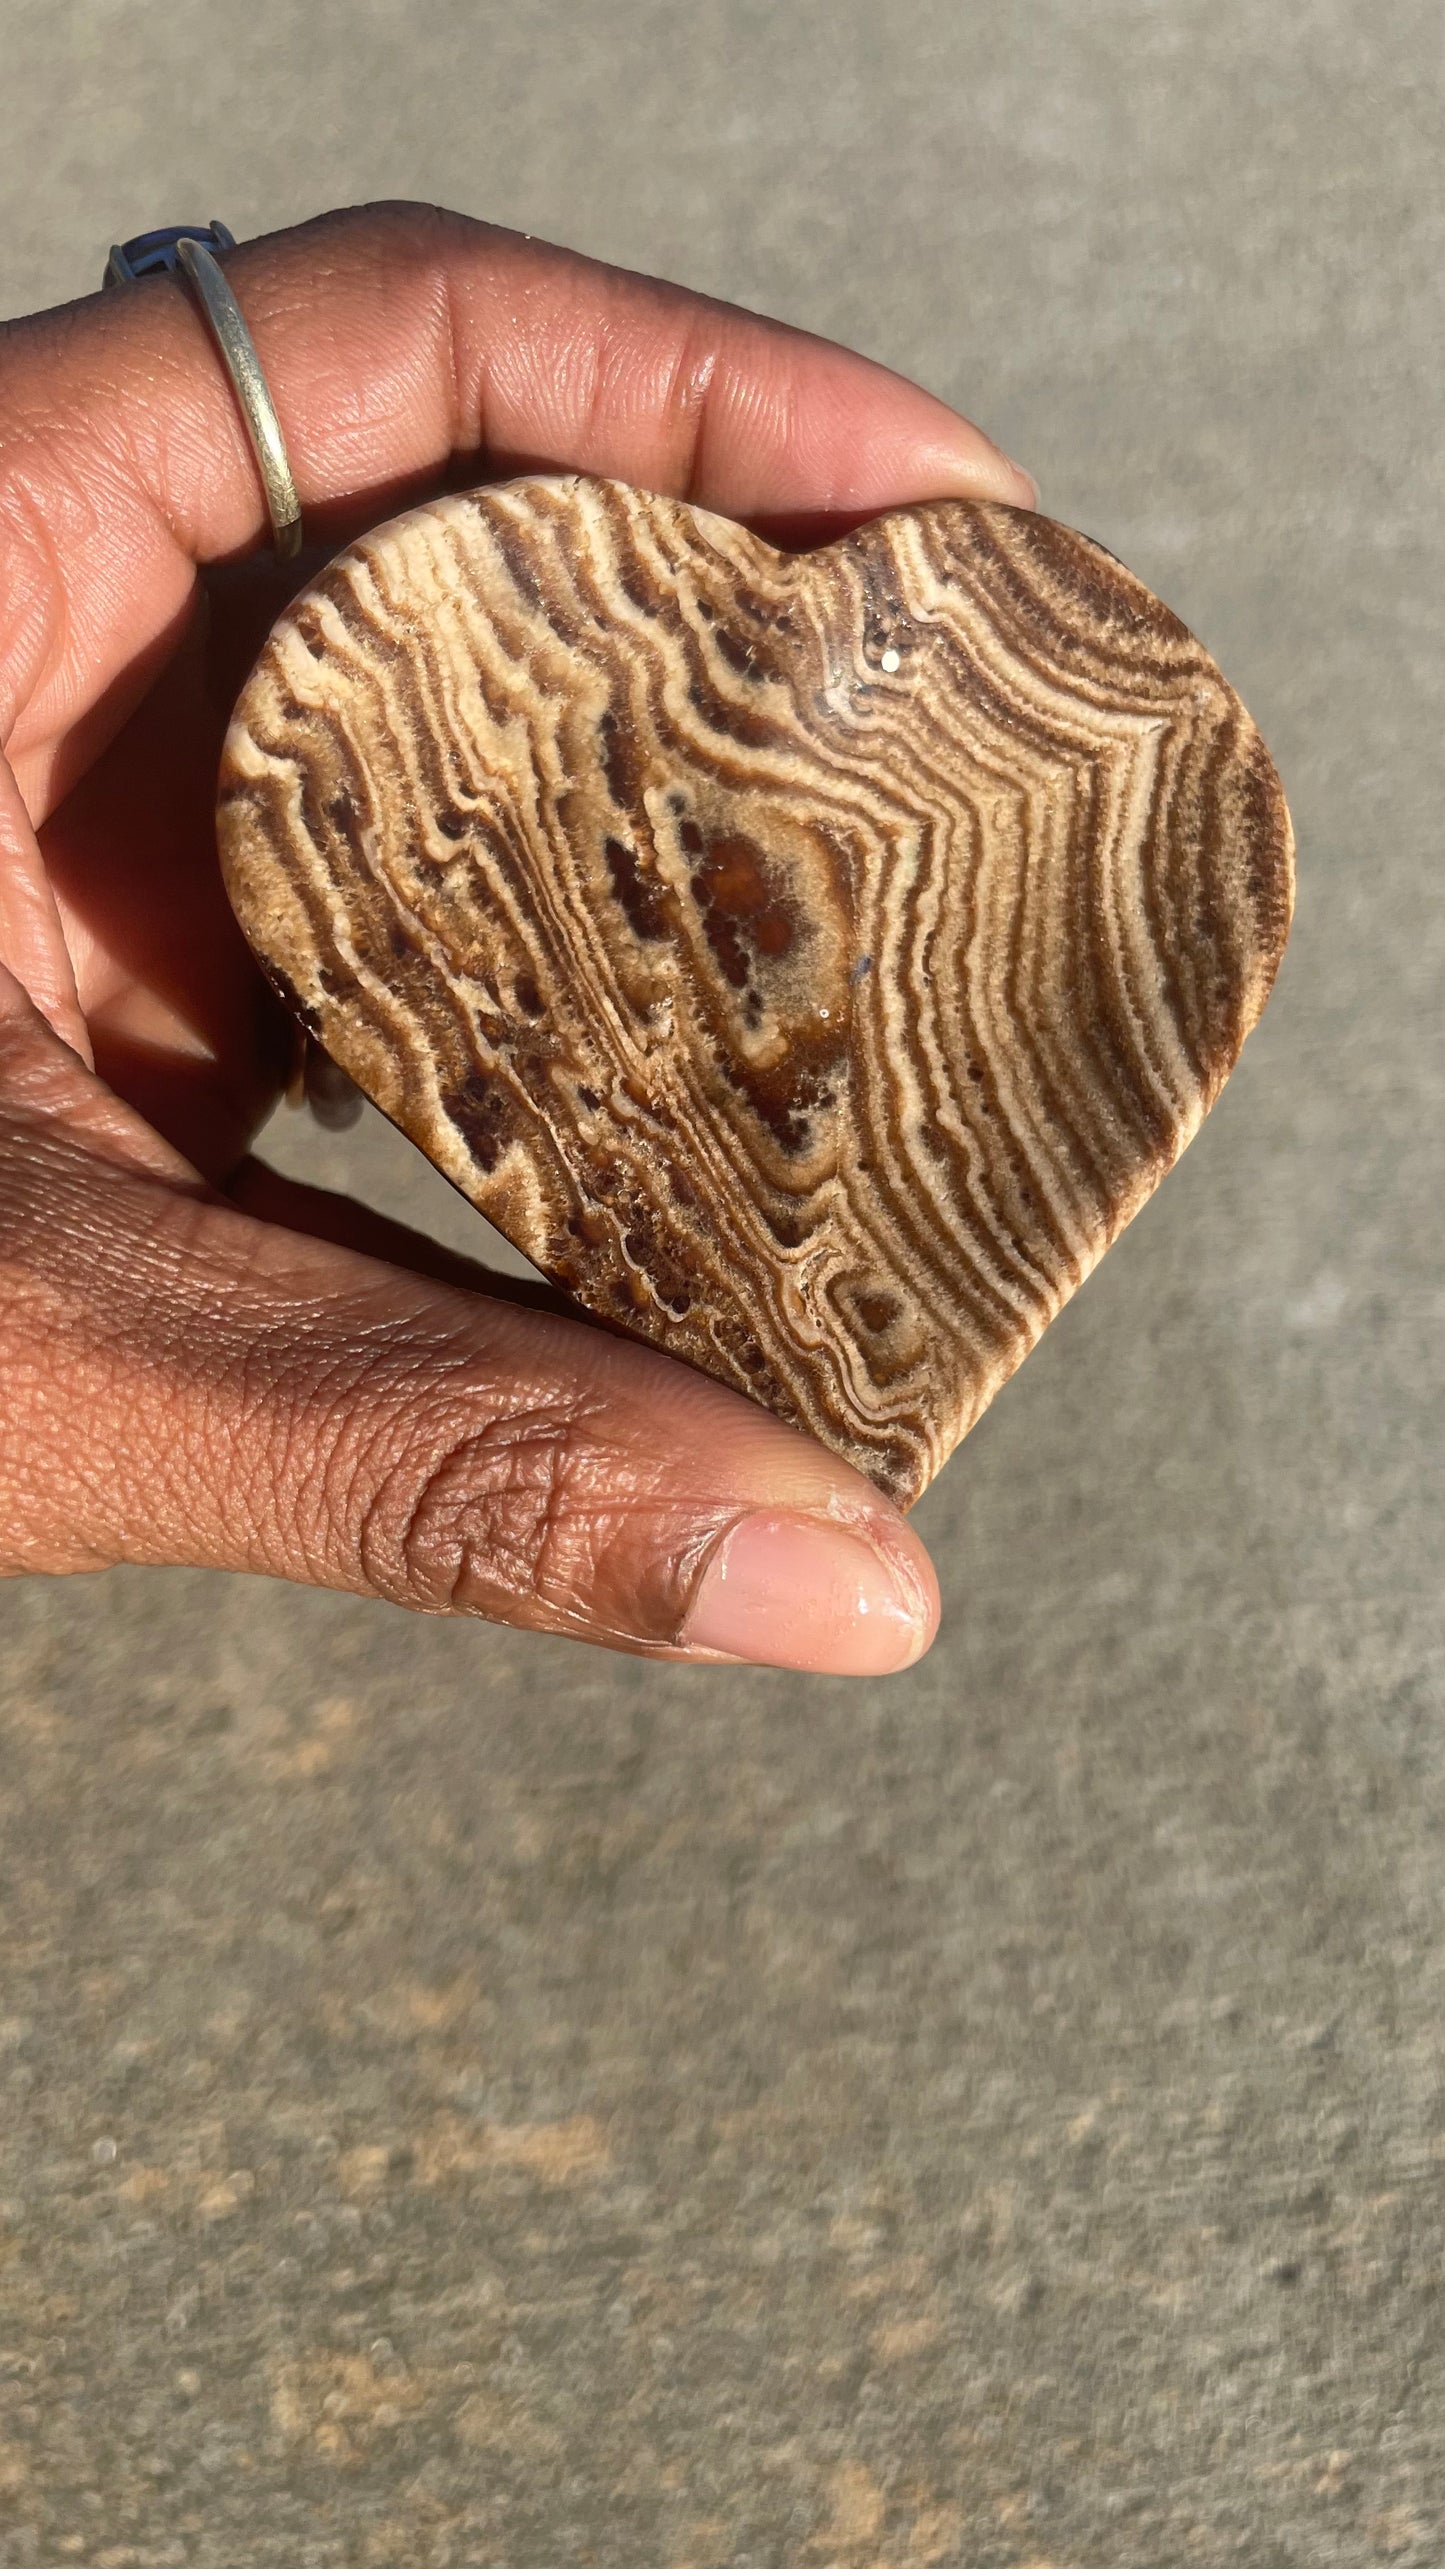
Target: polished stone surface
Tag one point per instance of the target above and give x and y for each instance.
(465, 2101)
(811, 962)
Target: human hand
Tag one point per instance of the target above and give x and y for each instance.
(198, 1362)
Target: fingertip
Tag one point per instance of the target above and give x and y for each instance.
(793, 423)
(968, 465)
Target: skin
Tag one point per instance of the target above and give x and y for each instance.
(200, 1363)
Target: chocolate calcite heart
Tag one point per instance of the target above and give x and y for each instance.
(810, 961)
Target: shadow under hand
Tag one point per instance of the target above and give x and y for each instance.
(264, 1193)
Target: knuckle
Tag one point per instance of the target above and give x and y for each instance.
(498, 1519)
(400, 230)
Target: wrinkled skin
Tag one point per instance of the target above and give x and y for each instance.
(199, 1362)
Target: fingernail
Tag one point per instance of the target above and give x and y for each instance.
(1026, 495)
(794, 1592)
(961, 463)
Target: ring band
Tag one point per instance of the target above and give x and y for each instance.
(191, 248)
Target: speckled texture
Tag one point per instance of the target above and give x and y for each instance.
(995, 2117)
(810, 961)
(468, 2105)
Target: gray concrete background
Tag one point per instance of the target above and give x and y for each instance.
(469, 2101)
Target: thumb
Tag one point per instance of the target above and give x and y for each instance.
(182, 1383)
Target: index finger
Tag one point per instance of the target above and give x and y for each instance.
(401, 344)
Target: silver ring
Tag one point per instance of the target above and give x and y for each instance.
(191, 248)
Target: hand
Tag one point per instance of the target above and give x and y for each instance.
(199, 1363)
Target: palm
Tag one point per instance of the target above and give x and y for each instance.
(183, 1026)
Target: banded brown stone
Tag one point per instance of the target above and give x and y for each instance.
(810, 961)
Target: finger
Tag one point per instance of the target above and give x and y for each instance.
(180, 1383)
(399, 343)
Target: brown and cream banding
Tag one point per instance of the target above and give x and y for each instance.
(810, 961)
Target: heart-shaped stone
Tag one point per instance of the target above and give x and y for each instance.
(810, 961)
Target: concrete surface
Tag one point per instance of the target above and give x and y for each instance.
(468, 2101)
